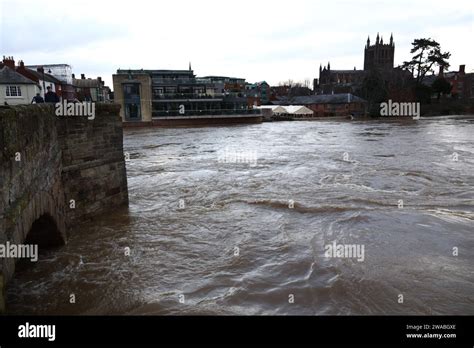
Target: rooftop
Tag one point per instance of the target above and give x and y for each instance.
(47, 77)
(49, 66)
(259, 83)
(221, 78)
(353, 71)
(87, 83)
(342, 98)
(164, 72)
(8, 75)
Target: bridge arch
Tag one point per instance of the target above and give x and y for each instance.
(45, 233)
(32, 198)
(47, 162)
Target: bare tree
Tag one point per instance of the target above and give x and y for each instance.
(307, 83)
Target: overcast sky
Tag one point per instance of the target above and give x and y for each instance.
(272, 40)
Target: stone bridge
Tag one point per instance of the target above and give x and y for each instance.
(55, 172)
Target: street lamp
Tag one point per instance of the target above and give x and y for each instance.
(44, 85)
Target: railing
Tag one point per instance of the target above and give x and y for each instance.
(189, 81)
(224, 112)
(172, 96)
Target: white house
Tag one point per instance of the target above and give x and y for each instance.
(15, 88)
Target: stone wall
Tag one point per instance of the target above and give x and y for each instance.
(30, 175)
(93, 173)
(47, 161)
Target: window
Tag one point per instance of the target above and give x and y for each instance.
(132, 111)
(131, 90)
(13, 91)
(158, 93)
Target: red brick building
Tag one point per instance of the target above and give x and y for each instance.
(328, 105)
(462, 83)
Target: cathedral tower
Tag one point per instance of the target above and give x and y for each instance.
(380, 55)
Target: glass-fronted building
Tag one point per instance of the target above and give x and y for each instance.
(146, 95)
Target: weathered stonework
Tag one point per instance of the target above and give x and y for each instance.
(47, 161)
(93, 172)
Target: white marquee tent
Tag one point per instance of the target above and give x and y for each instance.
(276, 109)
(299, 110)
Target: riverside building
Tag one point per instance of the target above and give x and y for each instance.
(177, 97)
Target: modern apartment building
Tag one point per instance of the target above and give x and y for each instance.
(330, 105)
(151, 95)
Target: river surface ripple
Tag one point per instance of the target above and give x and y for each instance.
(244, 208)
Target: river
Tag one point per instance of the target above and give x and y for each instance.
(208, 235)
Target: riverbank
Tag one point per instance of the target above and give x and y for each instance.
(368, 118)
(190, 121)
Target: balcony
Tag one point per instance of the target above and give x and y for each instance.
(223, 112)
(187, 96)
(176, 81)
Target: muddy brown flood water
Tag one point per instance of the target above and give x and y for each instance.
(242, 238)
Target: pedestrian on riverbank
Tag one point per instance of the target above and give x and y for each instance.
(51, 97)
(37, 99)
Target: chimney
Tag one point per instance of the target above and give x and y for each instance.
(462, 69)
(83, 76)
(99, 79)
(21, 66)
(9, 61)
